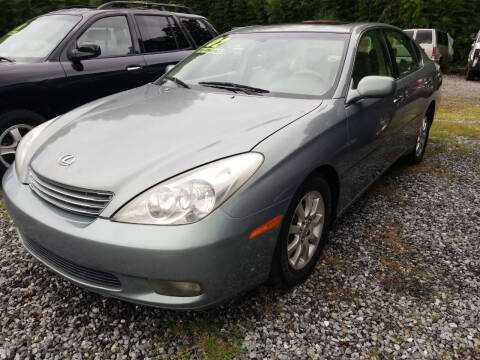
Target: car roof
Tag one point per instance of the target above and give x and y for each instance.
(94, 11)
(345, 28)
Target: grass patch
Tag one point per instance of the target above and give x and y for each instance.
(436, 169)
(202, 339)
(456, 109)
(380, 188)
(466, 130)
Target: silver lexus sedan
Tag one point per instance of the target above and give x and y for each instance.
(227, 171)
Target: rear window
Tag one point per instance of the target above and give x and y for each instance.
(199, 30)
(424, 37)
(409, 33)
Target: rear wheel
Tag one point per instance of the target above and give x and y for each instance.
(416, 156)
(303, 234)
(14, 124)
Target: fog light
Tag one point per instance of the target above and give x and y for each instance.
(175, 288)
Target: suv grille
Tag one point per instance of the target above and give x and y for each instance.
(95, 277)
(80, 201)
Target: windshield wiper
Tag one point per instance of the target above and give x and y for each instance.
(177, 81)
(7, 59)
(234, 87)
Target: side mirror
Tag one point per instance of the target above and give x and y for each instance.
(472, 37)
(84, 52)
(372, 87)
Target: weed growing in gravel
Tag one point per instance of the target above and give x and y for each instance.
(375, 354)
(381, 188)
(199, 338)
(4, 217)
(269, 302)
(433, 168)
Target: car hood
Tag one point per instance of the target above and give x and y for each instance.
(130, 141)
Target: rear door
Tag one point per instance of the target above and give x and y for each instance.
(412, 90)
(163, 43)
(119, 67)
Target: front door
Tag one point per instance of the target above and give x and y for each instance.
(371, 121)
(119, 67)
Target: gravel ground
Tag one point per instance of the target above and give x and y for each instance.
(399, 279)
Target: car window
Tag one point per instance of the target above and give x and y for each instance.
(157, 33)
(403, 52)
(424, 37)
(199, 31)
(371, 58)
(35, 40)
(182, 41)
(112, 34)
(442, 38)
(409, 33)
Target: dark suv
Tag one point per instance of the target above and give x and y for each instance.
(69, 57)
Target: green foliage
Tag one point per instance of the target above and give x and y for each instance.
(458, 17)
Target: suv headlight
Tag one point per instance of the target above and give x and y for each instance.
(189, 197)
(22, 148)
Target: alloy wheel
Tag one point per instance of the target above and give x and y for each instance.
(9, 141)
(422, 137)
(306, 228)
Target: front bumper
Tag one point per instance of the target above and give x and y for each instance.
(214, 252)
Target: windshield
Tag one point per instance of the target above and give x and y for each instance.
(36, 40)
(280, 63)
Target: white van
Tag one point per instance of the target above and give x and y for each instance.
(438, 45)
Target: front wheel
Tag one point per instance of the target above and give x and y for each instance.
(303, 234)
(14, 125)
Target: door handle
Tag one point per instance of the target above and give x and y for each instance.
(134, 68)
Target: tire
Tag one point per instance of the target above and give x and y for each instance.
(283, 273)
(443, 66)
(416, 155)
(469, 75)
(10, 122)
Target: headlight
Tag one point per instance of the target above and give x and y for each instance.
(22, 148)
(191, 196)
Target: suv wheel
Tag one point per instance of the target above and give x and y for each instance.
(14, 124)
(469, 74)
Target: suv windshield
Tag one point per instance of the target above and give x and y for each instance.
(36, 40)
(301, 64)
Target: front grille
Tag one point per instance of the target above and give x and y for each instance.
(80, 201)
(95, 277)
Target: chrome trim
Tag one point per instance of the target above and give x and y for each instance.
(80, 201)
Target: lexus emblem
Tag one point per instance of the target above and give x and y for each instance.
(67, 160)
